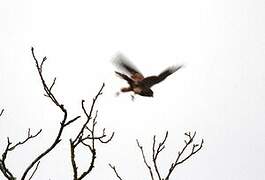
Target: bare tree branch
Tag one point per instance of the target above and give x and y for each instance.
(2, 111)
(34, 171)
(63, 123)
(3, 167)
(180, 153)
(145, 162)
(10, 148)
(86, 137)
(156, 150)
(53, 83)
(115, 171)
(160, 148)
(89, 116)
(28, 138)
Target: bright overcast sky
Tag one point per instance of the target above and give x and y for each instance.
(219, 93)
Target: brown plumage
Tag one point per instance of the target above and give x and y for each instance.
(137, 82)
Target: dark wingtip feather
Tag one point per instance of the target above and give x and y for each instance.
(168, 71)
(173, 69)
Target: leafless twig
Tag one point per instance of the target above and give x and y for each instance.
(24, 141)
(194, 150)
(2, 111)
(115, 171)
(160, 148)
(7, 173)
(63, 123)
(144, 158)
(157, 149)
(86, 137)
(34, 171)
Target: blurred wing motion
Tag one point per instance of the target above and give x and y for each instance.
(152, 80)
(125, 77)
(124, 64)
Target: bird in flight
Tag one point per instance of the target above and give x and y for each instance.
(137, 82)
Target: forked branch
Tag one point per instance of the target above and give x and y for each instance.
(145, 161)
(157, 149)
(65, 122)
(86, 137)
(9, 147)
(180, 159)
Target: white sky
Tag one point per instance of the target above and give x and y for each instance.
(219, 93)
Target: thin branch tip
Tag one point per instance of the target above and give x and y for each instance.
(2, 111)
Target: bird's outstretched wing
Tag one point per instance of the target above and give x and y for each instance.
(124, 76)
(125, 65)
(152, 80)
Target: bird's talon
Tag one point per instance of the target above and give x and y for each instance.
(132, 96)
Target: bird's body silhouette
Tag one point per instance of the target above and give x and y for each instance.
(137, 82)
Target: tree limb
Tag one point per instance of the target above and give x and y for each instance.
(156, 150)
(145, 162)
(7, 173)
(87, 140)
(63, 123)
(2, 111)
(180, 153)
(115, 171)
